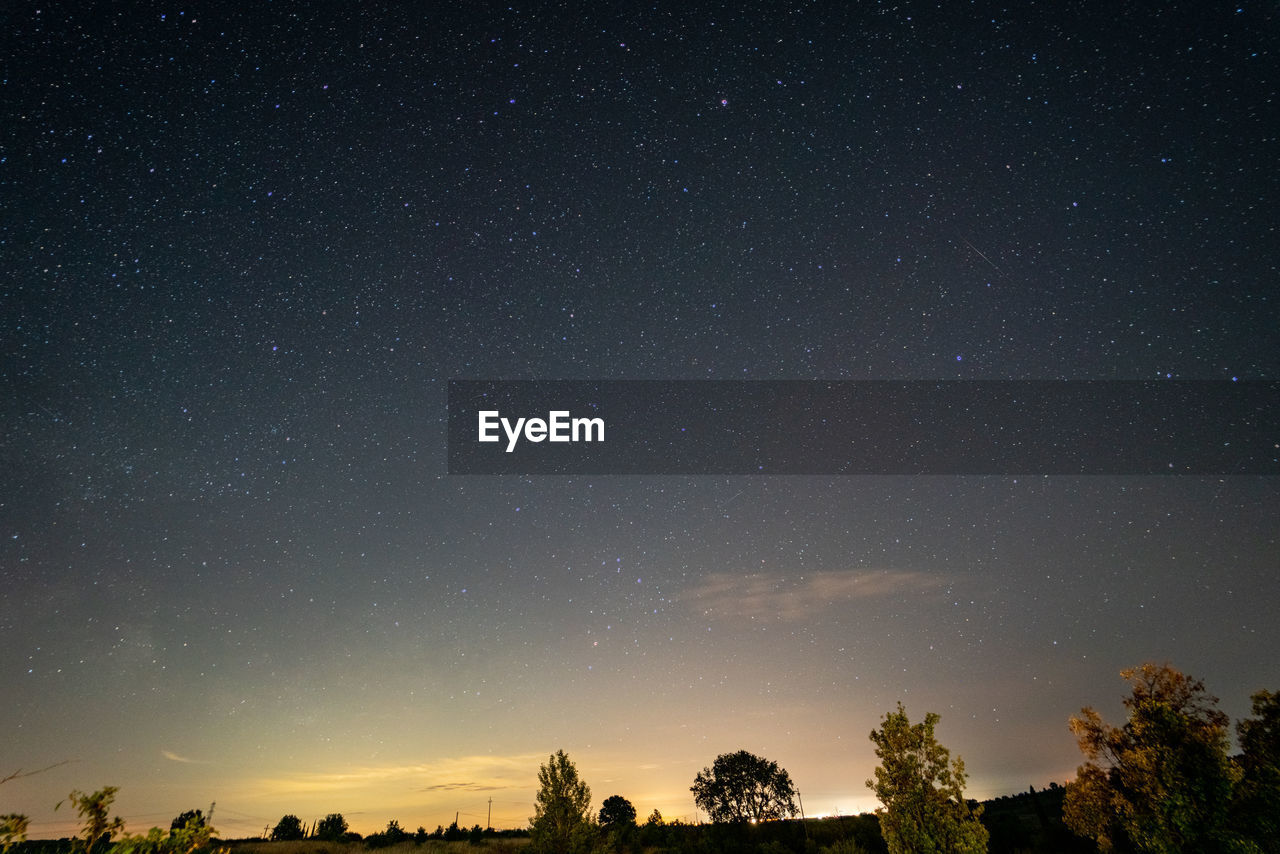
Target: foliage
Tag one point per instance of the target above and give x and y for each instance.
(190, 832)
(618, 822)
(922, 791)
(188, 839)
(288, 828)
(1163, 781)
(562, 814)
(1256, 810)
(332, 827)
(13, 828)
(654, 819)
(744, 787)
(93, 810)
(618, 811)
(393, 835)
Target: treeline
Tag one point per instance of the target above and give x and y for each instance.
(334, 828)
(1162, 781)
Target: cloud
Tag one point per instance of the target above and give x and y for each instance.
(173, 757)
(727, 595)
(460, 787)
(463, 773)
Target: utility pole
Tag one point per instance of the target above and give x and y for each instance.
(488, 822)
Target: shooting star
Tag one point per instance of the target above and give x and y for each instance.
(984, 257)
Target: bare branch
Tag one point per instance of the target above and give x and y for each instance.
(20, 773)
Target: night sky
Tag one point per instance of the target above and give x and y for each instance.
(244, 249)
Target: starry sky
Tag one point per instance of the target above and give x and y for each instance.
(244, 248)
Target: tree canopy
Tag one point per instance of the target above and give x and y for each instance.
(332, 827)
(93, 810)
(922, 791)
(744, 787)
(562, 813)
(617, 811)
(1256, 811)
(1162, 781)
(289, 827)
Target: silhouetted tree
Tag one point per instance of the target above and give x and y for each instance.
(332, 827)
(618, 821)
(1163, 780)
(1256, 810)
(562, 814)
(288, 828)
(617, 811)
(744, 787)
(922, 791)
(186, 818)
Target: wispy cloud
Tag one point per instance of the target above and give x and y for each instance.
(173, 757)
(463, 773)
(461, 787)
(726, 595)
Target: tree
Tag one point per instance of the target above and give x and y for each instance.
(189, 833)
(288, 828)
(1163, 780)
(562, 815)
(1256, 810)
(617, 811)
(395, 833)
(618, 821)
(332, 827)
(94, 809)
(744, 787)
(922, 791)
(654, 819)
